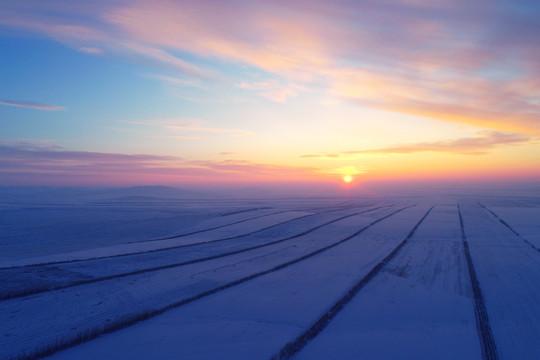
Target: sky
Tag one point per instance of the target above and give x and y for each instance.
(241, 92)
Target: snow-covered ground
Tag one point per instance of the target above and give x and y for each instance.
(154, 274)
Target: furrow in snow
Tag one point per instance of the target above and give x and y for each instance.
(508, 272)
(509, 227)
(489, 348)
(419, 306)
(296, 345)
(254, 319)
(89, 278)
(128, 310)
(164, 244)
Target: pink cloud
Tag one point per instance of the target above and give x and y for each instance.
(82, 27)
(452, 61)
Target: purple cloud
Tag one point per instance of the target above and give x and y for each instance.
(23, 163)
(32, 105)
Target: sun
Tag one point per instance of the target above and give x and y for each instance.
(347, 178)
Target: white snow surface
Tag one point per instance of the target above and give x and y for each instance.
(87, 276)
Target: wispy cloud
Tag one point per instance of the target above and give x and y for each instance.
(168, 60)
(446, 60)
(190, 126)
(204, 129)
(177, 81)
(270, 89)
(39, 162)
(32, 105)
(91, 50)
(481, 144)
(86, 28)
(395, 68)
(32, 144)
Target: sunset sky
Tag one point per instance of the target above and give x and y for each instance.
(183, 92)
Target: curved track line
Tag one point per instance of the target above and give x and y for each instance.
(233, 223)
(296, 345)
(489, 349)
(39, 290)
(245, 211)
(180, 246)
(131, 319)
(509, 227)
(213, 228)
(161, 249)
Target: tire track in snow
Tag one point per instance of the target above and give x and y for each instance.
(213, 228)
(131, 319)
(39, 290)
(245, 211)
(230, 224)
(509, 227)
(185, 245)
(290, 349)
(489, 348)
(164, 248)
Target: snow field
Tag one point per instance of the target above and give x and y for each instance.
(78, 309)
(137, 247)
(418, 307)
(523, 220)
(24, 280)
(249, 277)
(265, 312)
(508, 271)
(47, 224)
